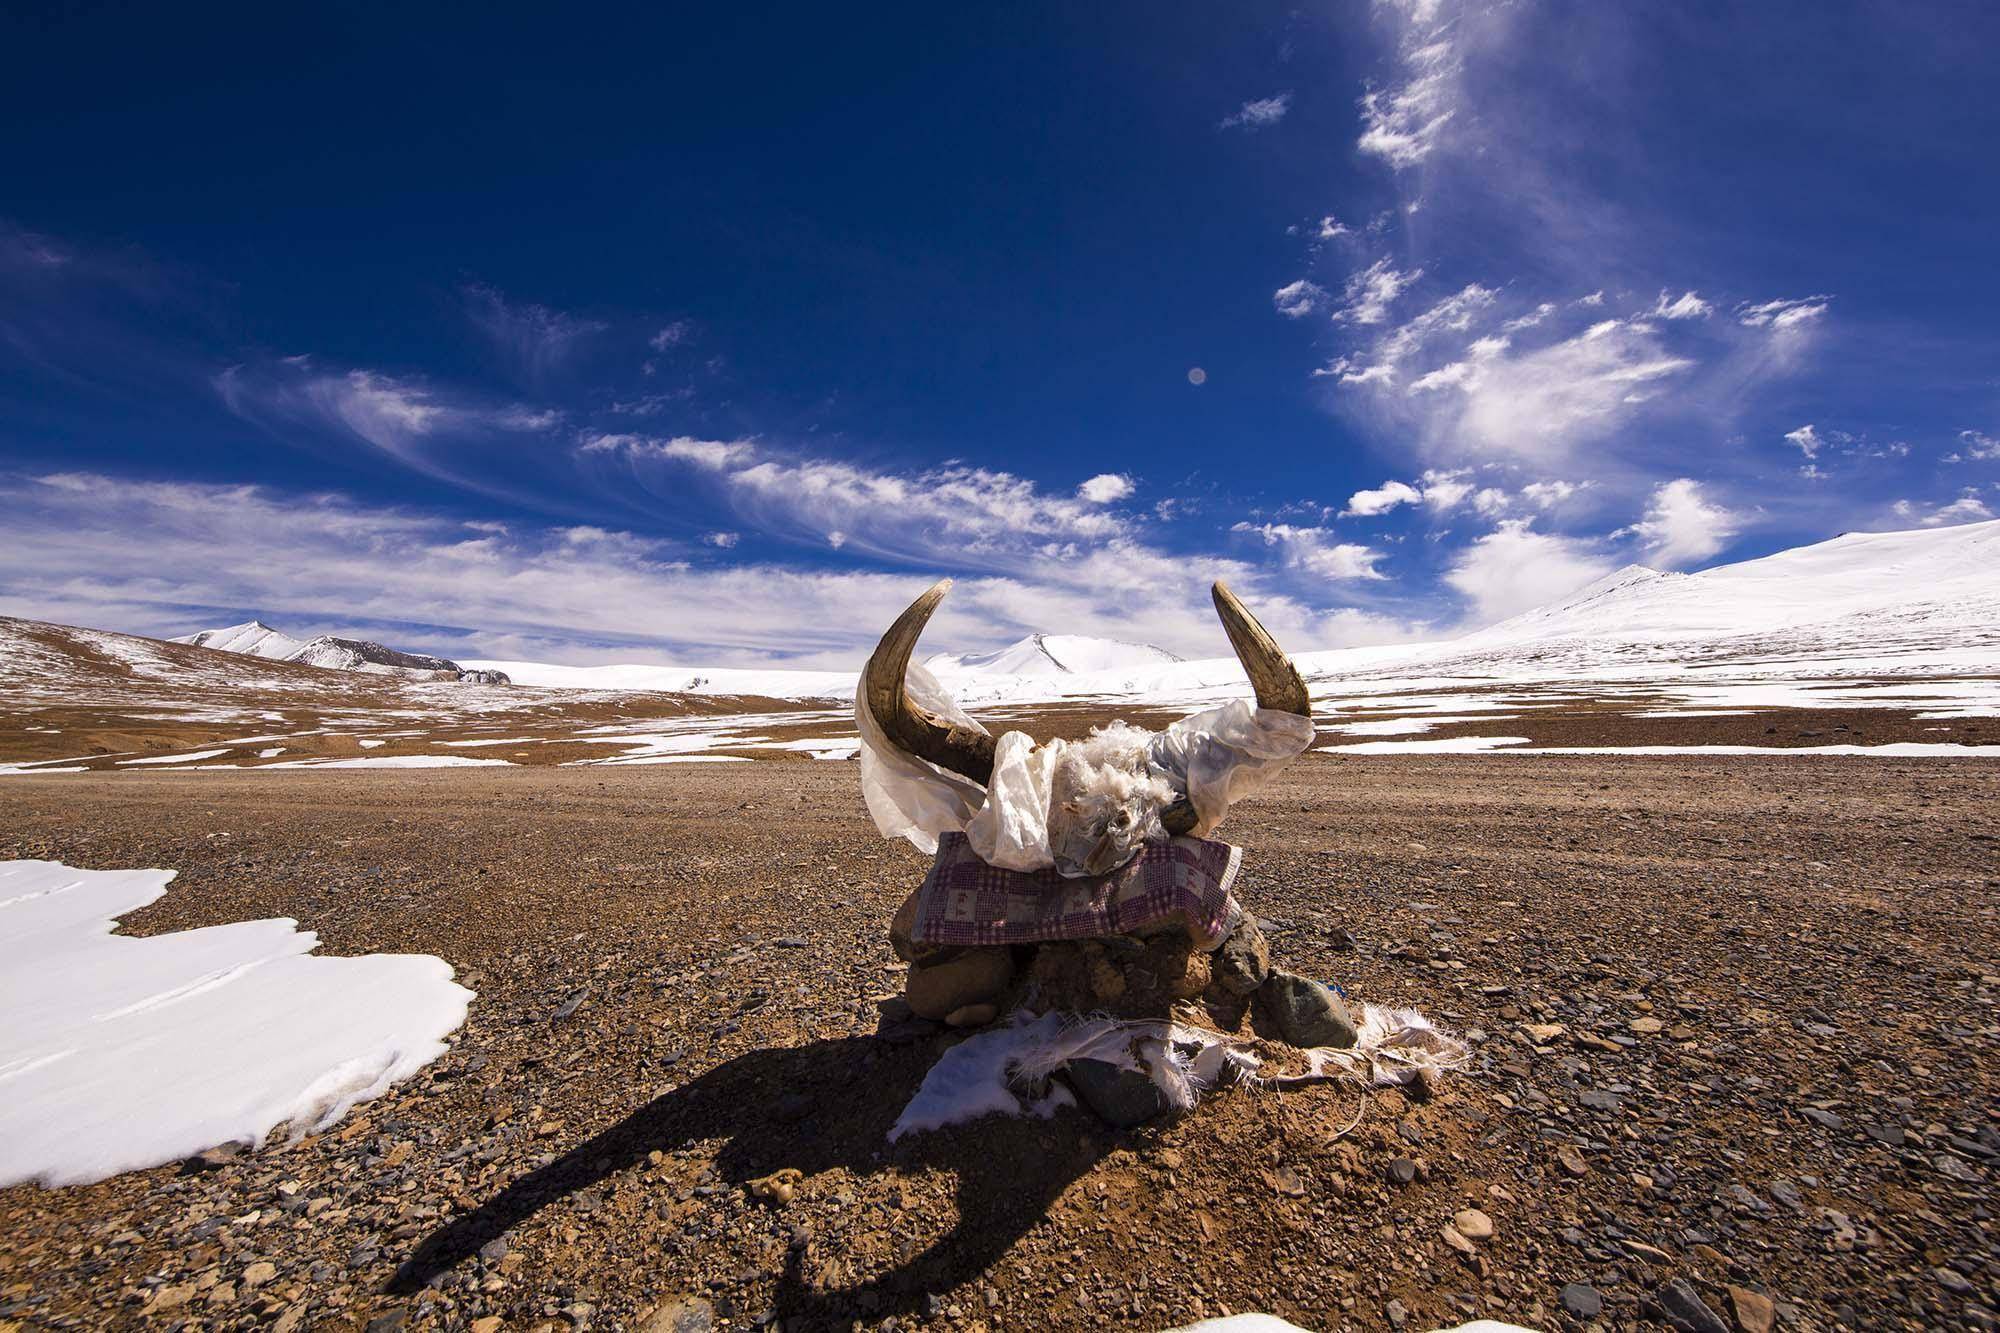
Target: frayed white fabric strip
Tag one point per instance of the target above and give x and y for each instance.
(1007, 1070)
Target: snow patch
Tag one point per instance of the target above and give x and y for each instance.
(120, 1053)
(392, 761)
(176, 758)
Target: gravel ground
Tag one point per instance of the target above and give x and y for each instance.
(1735, 1023)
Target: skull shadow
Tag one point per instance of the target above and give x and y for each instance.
(851, 1091)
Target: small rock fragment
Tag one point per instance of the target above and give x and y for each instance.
(1473, 1224)
(1685, 1310)
(689, 1315)
(1581, 1299)
(1754, 1313)
(1572, 1160)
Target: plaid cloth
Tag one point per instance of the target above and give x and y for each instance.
(1187, 880)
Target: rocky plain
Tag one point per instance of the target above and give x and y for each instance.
(1734, 1023)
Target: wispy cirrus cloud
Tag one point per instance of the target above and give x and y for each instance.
(1371, 292)
(534, 340)
(1257, 114)
(1975, 446)
(440, 432)
(1404, 121)
(1296, 300)
(1783, 314)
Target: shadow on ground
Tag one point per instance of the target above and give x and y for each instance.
(814, 1107)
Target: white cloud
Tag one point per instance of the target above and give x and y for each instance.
(724, 540)
(1295, 300)
(1974, 446)
(1529, 320)
(712, 455)
(1541, 403)
(1382, 499)
(1106, 488)
(1315, 551)
(379, 409)
(1403, 122)
(1345, 369)
(1967, 508)
(1514, 569)
(1331, 227)
(1807, 439)
(672, 335)
(1687, 306)
(955, 513)
(534, 339)
(1782, 315)
(586, 593)
(1682, 526)
(1549, 494)
(394, 415)
(1372, 291)
(1454, 314)
(529, 419)
(1256, 115)
(1445, 489)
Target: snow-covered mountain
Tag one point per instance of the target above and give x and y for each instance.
(1931, 591)
(256, 639)
(1050, 655)
(253, 637)
(1039, 657)
(1927, 600)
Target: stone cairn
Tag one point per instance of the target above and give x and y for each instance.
(1163, 975)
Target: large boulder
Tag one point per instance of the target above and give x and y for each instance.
(977, 976)
(1307, 1012)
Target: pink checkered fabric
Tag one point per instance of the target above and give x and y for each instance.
(965, 901)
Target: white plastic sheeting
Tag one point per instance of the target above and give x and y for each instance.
(1083, 807)
(119, 1052)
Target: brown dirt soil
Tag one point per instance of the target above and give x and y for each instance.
(1735, 1022)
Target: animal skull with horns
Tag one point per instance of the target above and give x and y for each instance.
(969, 752)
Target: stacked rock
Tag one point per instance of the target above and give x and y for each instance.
(1124, 976)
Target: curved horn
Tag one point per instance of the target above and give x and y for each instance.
(914, 729)
(1272, 675)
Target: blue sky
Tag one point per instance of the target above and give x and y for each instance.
(712, 339)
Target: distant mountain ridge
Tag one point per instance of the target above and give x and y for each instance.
(254, 638)
(1052, 655)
